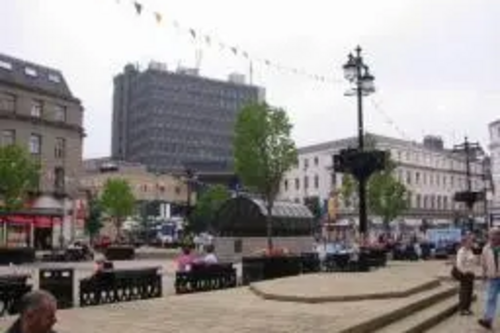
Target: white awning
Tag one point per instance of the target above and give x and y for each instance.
(47, 202)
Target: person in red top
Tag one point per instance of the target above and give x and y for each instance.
(185, 260)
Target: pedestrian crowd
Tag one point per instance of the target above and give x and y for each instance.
(464, 271)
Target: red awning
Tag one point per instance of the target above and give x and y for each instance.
(38, 221)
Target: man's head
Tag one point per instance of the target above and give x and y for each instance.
(494, 236)
(209, 248)
(38, 312)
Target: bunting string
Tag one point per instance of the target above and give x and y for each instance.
(209, 40)
(388, 119)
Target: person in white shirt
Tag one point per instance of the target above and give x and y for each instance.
(466, 263)
(210, 257)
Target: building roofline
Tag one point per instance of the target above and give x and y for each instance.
(494, 123)
(16, 76)
(341, 142)
(344, 142)
(42, 92)
(139, 71)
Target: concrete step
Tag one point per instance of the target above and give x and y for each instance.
(425, 319)
(416, 303)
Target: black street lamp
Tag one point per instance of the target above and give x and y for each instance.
(469, 196)
(356, 72)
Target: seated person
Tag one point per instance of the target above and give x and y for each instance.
(210, 257)
(103, 265)
(185, 260)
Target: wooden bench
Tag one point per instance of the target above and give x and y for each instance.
(204, 277)
(120, 285)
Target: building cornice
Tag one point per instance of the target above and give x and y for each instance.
(41, 121)
(433, 169)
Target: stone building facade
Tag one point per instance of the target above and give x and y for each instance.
(431, 172)
(159, 197)
(39, 112)
(170, 119)
(494, 134)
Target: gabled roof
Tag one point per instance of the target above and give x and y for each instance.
(30, 76)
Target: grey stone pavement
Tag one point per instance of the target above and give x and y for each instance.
(467, 324)
(233, 310)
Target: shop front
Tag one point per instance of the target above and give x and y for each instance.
(28, 230)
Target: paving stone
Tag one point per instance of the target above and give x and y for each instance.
(467, 324)
(232, 310)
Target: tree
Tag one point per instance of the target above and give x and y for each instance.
(118, 201)
(19, 174)
(93, 222)
(314, 205)
(263, 152)
(347, 190)
(387, 197)
(207, 205)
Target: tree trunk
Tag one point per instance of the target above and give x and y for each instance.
(387, 226)
(118, 229)
(269, 225)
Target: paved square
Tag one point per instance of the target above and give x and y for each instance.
(234, 310)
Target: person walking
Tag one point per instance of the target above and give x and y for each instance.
(491, 274)
(466, 263)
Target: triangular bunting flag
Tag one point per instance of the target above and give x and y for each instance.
(235, 50)
(245, 54)
(158, 17)
(267, 62)
(138, 7)
(193, 33)
(208, 40)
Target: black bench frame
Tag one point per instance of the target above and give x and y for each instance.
(120, 285)
(206, 278)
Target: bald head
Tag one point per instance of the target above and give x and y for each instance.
(494, 236)
(35, 300)
(38, 312)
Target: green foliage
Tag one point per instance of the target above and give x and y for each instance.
(264, 151)
(93, 223)
(117, 201)
(347, 190)
(19, 174)
(387, 197)
(206, 207)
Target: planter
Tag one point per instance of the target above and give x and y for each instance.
(310, 262)
(17, 255)
(375, 257)
(270, 267)
(119, 252)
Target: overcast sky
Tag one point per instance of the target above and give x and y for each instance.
(435, 61)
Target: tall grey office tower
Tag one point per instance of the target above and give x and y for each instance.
(169, 120)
